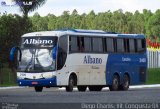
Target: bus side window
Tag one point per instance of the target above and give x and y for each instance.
(80, 44)
(73, 44)
(87, 44)
(144, 44)
(140, 45)
(97, 45)
(62, 51)
(110, 45)
(120, 45)
(126, 44)
(82, 48)
(132, 45)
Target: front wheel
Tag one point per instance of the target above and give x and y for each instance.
(71, 84)
(38, 88)
(115, 83)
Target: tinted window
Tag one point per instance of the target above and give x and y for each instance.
(126, 44)
(131, 45)
(110, 45)
(63, 43)
(87, 44)
(120, 45)
(97, 45)
(73, 44)
(140, 45)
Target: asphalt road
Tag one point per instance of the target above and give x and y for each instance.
(55, 96)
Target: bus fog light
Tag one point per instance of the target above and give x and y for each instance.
(50, 82)
(20, 83)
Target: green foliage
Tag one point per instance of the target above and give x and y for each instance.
(135, 23)
(154, 24)
(153, 76)
(8, 78)
(11, 29)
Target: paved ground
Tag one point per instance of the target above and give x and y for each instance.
(54, 96)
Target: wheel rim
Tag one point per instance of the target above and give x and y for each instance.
(71, 82)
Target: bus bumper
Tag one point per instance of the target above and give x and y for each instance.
(38, 82)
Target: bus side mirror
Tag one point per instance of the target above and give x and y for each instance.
(54, 53)
(13, 52)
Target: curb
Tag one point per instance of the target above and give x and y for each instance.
(11, 87)
(106, 88)
(131, 87)
(145, 86)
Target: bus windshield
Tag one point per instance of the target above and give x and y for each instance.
(36, 56)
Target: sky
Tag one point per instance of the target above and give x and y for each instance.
(57, 7)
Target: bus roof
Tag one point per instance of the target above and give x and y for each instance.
(78, 32)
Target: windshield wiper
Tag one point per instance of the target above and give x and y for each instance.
(29, 64)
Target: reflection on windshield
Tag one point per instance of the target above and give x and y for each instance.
(36, 60)
(44, 58)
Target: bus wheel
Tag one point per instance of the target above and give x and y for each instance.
(115, 83)
(82, 88)
(38, 88)
(125, 84)
(95, 88)
(71, 84)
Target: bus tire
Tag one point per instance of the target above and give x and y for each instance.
(115, 84)
(82, 88)
(125, 84)
(71, 84)
(38, 88)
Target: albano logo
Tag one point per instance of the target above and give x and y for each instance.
(90, 60)
(37, 41)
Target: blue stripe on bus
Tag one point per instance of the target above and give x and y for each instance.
(131, 36)
(87, 31)
(41, 82)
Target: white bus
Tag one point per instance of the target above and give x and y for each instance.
(82, 58)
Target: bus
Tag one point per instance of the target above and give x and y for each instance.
(80, 58)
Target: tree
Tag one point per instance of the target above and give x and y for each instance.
(52, 19)
(10, 34)
(129, 27)
(153, 25)
(39, 23)
(63, 21)
(147, 14)
(119, 20)
(90, 20)
(74, 19)
(25, 9)
(83, 22)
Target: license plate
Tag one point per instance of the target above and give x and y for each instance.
(34, 82)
